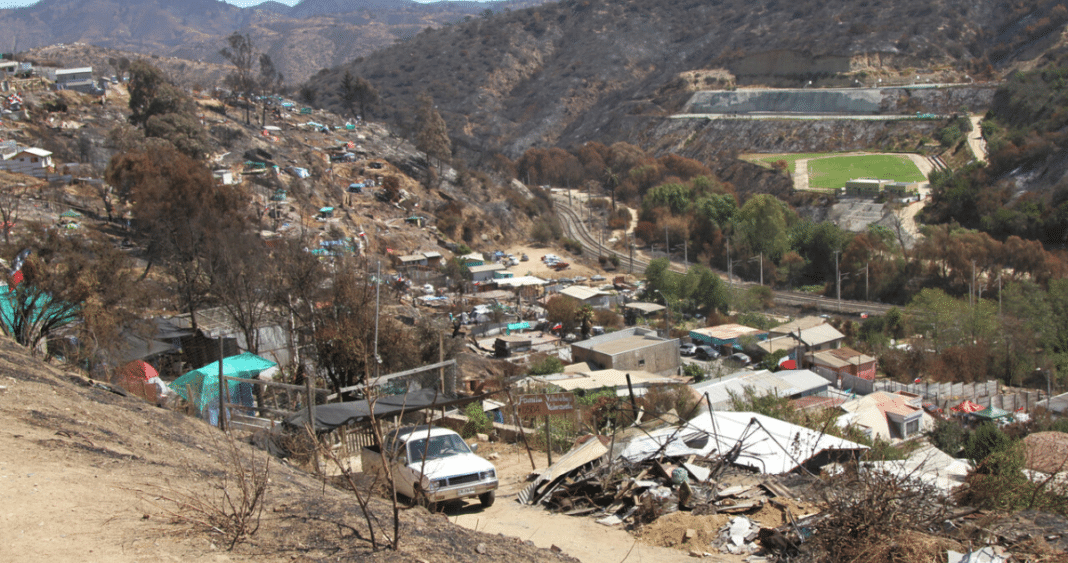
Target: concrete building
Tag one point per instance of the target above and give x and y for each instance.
(633, 348)
(866, 187)
(844, 361)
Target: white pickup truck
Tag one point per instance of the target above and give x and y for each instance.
(450, 471)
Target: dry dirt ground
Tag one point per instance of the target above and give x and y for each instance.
(85, 475)
(581, 536)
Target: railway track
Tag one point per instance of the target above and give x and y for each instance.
(575, 228)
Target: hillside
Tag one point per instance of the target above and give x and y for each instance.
(301, 40)
(570, 72)
(87, 475)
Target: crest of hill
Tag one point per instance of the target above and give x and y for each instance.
(580, 70)
(300, 40)
(96, 466)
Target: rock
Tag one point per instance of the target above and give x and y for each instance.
(555, 548)
(482, 437)
(696, 553)
(493, 456)
(689, 535)
(481, 548)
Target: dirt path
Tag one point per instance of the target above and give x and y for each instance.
(577, 536)
(975, 139)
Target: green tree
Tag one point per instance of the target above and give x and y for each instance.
(948, 436)
(762, 226)
(986, 439)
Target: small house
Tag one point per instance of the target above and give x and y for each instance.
(727, 336)
(588, 296)
(889, 416)
(224, 177)
(32, 161)
(485, 272)
(433, 258)
(633, 348)
(473, 259)
(325, 214)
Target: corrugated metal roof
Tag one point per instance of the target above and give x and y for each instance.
(763, 382)
(801, 323)
(768, 445)
(727, 331)
(821, 334)
(486, 268)
(581, 293)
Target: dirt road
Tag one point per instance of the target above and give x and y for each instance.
(579, 537)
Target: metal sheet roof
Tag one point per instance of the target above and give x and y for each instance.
(766, 444)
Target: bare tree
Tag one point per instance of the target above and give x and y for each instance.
(433, 135)
(241, 54)
(357, 91)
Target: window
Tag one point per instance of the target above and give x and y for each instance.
(641, 363)
(912, 427)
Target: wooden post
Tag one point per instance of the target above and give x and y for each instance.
(522, 433)
(633, 401)
(309, 399)
(548, 441)
(441, 370)
(222, 390)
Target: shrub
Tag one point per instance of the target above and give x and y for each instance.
(547, 366)
(695, 371)
(983, 441)
(947, 436)
(478, 422)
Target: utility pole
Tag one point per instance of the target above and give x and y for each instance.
(866, 298)
(973, 282)
(761, 268)
(730, 279)
(685, 254)
(378, 286)
(837, 281)
(667, 243)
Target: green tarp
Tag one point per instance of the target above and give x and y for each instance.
(992, 413)
(201, 386)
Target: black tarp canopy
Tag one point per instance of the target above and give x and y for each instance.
(332, 415)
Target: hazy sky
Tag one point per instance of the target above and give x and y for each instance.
(19, 3)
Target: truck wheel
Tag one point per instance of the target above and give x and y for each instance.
(487, 499)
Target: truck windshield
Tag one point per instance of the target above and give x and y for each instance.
(438, 447)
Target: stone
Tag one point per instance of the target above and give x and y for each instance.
(689, 535)
(481, 548)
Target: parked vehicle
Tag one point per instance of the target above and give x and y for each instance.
(524, 258)
(741, 358)
(706, 353)
(428, 289)
(687, 349)
(450, 470)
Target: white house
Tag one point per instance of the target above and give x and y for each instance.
(31, 161)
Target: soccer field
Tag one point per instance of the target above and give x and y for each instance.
(829, 171)
(834, 172)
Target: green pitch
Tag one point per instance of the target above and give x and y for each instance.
(834, 172)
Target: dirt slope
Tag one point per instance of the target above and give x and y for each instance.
(83, 473)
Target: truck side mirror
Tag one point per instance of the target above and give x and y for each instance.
(474, 447)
